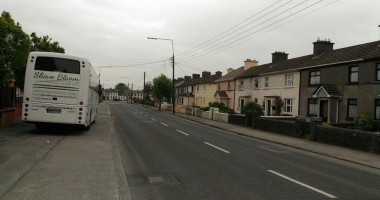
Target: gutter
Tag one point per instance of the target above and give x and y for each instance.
(336, 63)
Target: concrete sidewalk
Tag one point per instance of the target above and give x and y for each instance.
(354, 156)
(73, 164)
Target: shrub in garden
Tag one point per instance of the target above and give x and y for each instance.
(251, 107)
(364, 122)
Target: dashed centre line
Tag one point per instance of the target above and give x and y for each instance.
(153, 119)
(164, 124)
(304, 185)
(220, 149)
(182, 132)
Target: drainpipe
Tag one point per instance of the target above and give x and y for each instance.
(337, 110)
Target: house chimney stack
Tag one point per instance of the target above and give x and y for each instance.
(229, 70)
(279, 56)
(218, 74)
(206, 74)
(196, 76)
(250, 63)
(322, 46)
(187, 78)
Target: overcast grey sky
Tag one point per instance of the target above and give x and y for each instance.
(208, 35)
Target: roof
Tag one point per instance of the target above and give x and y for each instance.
(202, 80)
(326, 91)
(221, 94)
(348, 54)
(231, 76)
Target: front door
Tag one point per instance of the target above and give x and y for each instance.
(269, 107)
(323, 110)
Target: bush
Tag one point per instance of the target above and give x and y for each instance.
(251, 107)
(279, 106)
(222, 108)
(364, 122)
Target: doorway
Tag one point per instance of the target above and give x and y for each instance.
(269, 107)
(323, 110)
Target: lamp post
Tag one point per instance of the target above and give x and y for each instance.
(150, 38)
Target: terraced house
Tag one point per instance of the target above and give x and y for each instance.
(335, 85)
(205, 88)
(226, 87)
(339, 84)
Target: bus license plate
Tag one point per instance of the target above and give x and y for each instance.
(53, 110)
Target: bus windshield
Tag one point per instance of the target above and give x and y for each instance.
(57, 65)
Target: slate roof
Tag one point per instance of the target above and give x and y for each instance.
(348, 54)
(330, 89)
(231, 76)
(221, 94)
(202, 80)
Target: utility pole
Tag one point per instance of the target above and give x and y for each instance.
(132, 95)
(144, 91)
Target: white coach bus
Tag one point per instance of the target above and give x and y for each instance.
(60, 89)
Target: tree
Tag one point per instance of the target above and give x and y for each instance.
(162, 87)
(251, 107)
(148, 90)
(122, 89)
(14, 49)
(44, 43)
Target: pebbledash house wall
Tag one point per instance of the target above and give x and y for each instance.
(244, 93)
(366, 91)
(277, 88)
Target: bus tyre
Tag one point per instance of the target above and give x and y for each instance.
(86, 128)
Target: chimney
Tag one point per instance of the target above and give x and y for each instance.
(218, 74)
(180, 79)
(322, 46)
(187, 78)
(229, 70)
(250, 63)
(279, 56)
(196, 76)
(206, 74)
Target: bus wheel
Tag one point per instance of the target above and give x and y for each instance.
(86, 128)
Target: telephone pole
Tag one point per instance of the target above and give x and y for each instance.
(144, 91)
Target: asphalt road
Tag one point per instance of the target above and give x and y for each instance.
(166, 157)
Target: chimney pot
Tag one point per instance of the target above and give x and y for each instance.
(278, 56)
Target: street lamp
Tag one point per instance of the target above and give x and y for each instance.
(150, 38)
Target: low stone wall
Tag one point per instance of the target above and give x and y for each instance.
(277, 126)
(356, 139)
(221, 117)
(237, 119)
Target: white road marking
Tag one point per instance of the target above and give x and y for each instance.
(146, 115)
(164, 124)
(153, 119)
(220, 149)
(182, 132)
(304, 185)
(268, 148)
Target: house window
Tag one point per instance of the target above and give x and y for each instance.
(229, 103)
(230, 85)
(256, 82)
(378, 71)
(377, 109)
(241, 85)
(218, 86)
(312, 107)
(255, 100)
(351, 108)
(289, 80)
(288, 105)
(354, 74)
(197, 88)
(314, 77)
(267, 81)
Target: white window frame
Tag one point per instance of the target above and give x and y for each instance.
(267, 81)
(289, 80)
(288, 105)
